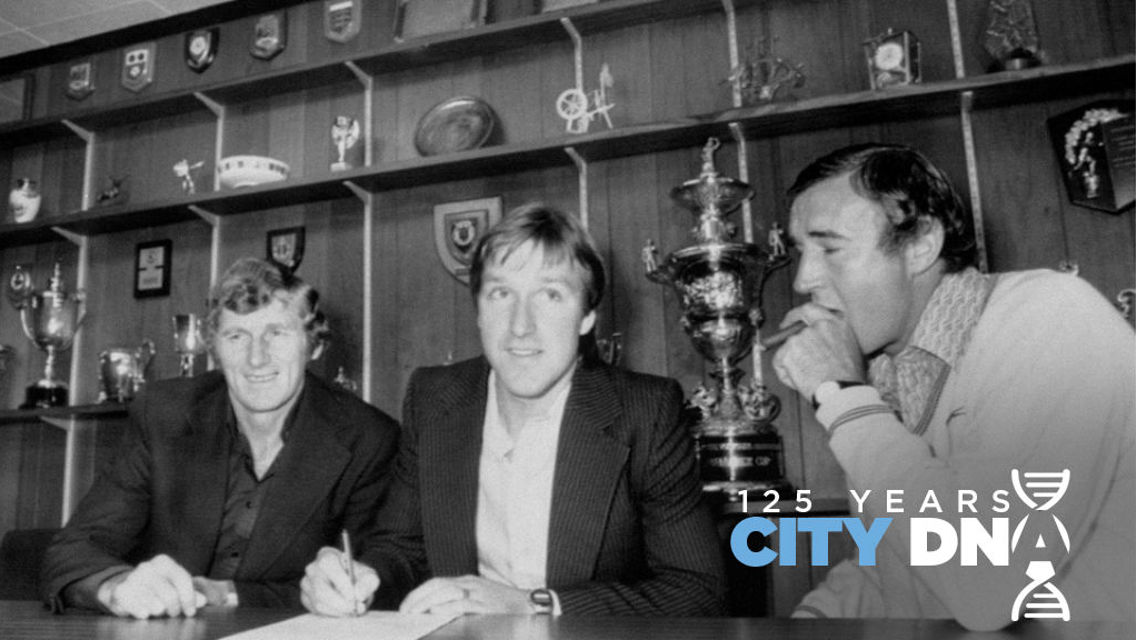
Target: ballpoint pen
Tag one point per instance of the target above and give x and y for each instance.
(349, 566)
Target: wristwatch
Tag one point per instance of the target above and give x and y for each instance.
(826, 389)
(541, 601)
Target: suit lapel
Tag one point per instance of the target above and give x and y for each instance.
(205, 439)
(450, 450)
(306, 471)
(589, 462)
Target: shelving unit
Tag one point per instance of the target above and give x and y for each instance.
(763, 121)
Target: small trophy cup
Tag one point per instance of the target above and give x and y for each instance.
(50, 320)
(122, 371)
(719, 283)
(188, 341)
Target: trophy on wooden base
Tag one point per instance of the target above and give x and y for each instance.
(719, 281)
(50, 320)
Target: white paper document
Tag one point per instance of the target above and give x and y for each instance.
(374, 625)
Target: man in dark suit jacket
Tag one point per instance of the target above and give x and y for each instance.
(228, 483)
(529, 481)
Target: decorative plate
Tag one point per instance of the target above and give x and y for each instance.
(456, 124)
(247, 171)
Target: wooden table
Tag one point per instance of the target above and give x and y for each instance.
(30, 621)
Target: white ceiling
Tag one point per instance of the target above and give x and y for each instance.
(26, 25)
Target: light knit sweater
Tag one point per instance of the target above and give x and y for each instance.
(1047, 383)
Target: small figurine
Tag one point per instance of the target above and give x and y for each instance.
(706, 399)
(114, 193)
(572, 104)
(185, 171)
(776, 240)
(344, 133)
(650, 256)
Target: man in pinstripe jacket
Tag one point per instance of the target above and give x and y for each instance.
(529, 480)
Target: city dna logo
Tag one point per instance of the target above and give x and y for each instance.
(1040, 598)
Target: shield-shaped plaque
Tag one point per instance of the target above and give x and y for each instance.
(80, 80)
(341, 19)
(458, 226)
(285, 248)
(201, 48)
(138, 66)
(269, 35)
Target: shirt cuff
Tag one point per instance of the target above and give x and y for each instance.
(848, 404)
(556, 610)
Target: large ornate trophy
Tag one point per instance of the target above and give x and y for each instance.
(50, 320)
(719, 284)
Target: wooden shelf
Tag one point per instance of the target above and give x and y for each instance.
(86, 411)
(768, 120)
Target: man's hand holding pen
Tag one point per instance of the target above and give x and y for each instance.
(327, 587)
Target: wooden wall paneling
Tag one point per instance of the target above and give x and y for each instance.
(285, 130)
(1021, 200)
(1120, 25)
(511, 84)
(386, 366)
(629, 217)
(11, 458)
(41, 477)
(333, 263)
(1072, 31)
(426, 292)
(502, 10)
(64, 170)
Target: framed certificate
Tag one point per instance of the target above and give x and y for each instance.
(152, 264)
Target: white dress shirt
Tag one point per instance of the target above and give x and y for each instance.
(514, 496)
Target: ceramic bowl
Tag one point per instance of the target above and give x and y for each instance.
(247, 171)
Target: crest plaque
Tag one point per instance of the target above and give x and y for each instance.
(458, 226)
(138, 66)
(341, 19)
(80, 80)
(286, 248)
(201, 48)
(269, 35)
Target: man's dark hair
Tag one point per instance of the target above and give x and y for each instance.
(559, 236)
(912, 191)
(251, 284)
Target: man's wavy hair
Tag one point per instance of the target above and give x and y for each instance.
(559, 235)
(251, 284)
(912, 191)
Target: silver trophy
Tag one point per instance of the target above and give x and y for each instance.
(188, 341)
(50, 319)
(122, 371)
(719, 284)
